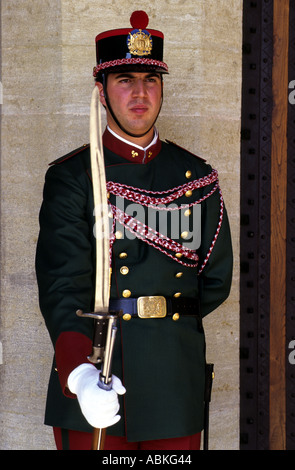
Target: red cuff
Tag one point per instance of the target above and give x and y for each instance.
(71, 350)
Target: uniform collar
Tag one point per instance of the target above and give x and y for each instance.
(128, 150)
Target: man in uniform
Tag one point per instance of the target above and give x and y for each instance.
(159, 362)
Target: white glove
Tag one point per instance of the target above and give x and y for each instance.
(100, 407)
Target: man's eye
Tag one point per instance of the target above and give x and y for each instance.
(125, 80)
(154, 79)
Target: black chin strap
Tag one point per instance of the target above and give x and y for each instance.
(104, 78)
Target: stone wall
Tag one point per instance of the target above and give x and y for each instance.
(47, 56)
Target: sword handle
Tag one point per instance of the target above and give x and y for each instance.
(99, 341)
(100, 332)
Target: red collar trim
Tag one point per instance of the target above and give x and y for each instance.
(130, 152)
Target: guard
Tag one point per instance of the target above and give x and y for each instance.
(170, 258)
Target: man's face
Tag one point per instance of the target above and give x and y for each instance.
(135, 99)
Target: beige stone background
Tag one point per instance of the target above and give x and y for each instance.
(47, 55)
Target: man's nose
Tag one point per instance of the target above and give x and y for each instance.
(139, 88)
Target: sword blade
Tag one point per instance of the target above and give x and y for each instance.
(101, 232)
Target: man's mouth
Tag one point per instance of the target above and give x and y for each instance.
(139, 109)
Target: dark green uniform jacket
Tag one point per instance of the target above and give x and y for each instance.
(160, 361)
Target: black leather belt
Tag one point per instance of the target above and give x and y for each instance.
(156, 306)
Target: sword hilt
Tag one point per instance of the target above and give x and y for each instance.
(99, 340)
(102, 322)
(103, 345)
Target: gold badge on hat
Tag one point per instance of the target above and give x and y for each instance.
(140, 43)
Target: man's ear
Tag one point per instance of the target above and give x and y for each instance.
(101, 93)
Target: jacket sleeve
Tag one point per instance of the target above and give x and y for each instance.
(216, 276)
(64, 267)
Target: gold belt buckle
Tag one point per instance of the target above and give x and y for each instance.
(153, 306)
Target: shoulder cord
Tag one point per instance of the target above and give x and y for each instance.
(151, 236)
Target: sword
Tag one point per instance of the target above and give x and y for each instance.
(209, 376)
(103, 269)
(105, 321)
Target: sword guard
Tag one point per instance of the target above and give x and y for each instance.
(99, 315)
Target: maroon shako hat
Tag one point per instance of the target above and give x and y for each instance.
(129, 48)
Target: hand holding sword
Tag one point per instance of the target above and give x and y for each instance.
(97, 390)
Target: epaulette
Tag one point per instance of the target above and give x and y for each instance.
(70, 155)
(185, 150)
